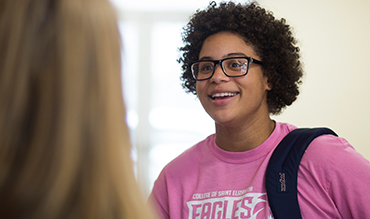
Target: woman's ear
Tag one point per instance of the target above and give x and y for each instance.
(268, 84)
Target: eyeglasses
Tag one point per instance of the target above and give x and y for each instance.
(232, 67)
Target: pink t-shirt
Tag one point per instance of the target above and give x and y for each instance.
(208, 182)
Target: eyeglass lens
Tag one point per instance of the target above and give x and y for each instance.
(231, 67)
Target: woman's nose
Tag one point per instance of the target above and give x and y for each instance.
(219, 76)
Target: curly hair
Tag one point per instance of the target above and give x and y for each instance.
(270, 38)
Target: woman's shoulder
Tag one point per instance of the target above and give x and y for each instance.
(327, 151)
(326, 146)
(191, 156)
(334, 154)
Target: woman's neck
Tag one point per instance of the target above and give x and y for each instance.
(244, 137)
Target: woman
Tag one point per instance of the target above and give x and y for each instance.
(64, 143)
(243, 65)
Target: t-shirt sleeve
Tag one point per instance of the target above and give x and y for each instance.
(158, 197)
(334, 180)
(350, 183)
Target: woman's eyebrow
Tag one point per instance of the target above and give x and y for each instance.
(206, 58)
(234, 54)
(225, 56)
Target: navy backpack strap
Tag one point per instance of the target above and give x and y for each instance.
(282, 172)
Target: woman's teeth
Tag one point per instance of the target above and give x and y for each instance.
(222, 95)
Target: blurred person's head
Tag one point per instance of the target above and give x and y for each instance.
(64, 143)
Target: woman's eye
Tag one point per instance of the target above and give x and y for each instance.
(236, 65)
(206, 68)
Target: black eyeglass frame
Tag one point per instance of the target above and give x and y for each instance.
(220, 62)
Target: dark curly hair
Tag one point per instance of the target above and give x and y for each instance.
(270, 38)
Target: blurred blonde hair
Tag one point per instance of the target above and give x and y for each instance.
(64, 143)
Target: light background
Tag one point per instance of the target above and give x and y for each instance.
(334, 39)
